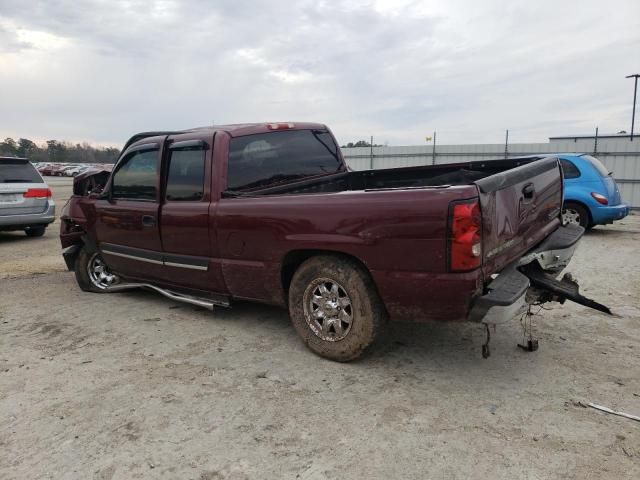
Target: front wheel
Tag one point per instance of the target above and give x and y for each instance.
(335, 308)
(576, 214)
(92, 274)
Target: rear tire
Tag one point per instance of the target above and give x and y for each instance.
(576, 214)
(91, 272)
(36, 231)
(335, 308)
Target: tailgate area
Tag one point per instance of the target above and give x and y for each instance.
(531, 279)
(520, 208)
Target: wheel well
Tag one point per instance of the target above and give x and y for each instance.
(577, 202)
(295, 258)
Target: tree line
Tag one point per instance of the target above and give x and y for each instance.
(360, 143)
(57, 151)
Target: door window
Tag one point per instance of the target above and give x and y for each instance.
(136, 177)
(185, 177)
(569, 169)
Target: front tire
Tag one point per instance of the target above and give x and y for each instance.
(92, 274)
(335, 308)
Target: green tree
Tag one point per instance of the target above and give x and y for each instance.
(360, 143)
(58, 151)
(9, 147)
(26, 147)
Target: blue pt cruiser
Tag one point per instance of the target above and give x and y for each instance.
(591, 196)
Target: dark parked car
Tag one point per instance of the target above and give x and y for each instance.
(271, 213)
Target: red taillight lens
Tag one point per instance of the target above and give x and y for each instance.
(601, 199)
(37, 193)
(465, 240)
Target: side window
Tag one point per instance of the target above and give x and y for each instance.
(569, 169)
(136, 178)
(185, 177)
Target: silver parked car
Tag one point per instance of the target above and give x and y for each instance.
(25, 199)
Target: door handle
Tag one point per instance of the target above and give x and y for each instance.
(528, 191)
(148, 221)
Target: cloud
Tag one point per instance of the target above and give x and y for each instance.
(101, 71)
(10, 41)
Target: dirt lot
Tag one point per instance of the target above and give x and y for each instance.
(133, 385)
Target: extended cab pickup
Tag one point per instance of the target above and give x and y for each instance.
(271, 213)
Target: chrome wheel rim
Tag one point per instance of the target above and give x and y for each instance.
(328, 310)
(570, 217)
(99, 273)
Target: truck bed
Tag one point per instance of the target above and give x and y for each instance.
(395, 178)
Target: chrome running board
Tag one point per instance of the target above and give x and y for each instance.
(179, 297)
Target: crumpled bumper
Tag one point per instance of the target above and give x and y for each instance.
(505, 296)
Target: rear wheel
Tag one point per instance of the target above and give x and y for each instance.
(576, 214)
(35, 231)
(92, 274)
(335, 308)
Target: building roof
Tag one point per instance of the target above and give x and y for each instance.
(587, 137)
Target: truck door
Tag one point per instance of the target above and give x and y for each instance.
(187, 215)
(127, 218)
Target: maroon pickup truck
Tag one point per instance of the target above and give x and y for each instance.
(271, 213)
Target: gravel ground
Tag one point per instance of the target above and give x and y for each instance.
(133, 385)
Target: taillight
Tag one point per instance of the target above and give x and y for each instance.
(465, 236)
(37, 193)
(601, 199)
(280, 126)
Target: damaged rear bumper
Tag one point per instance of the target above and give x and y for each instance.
(510, 293)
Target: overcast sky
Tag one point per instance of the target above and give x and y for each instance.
(100, 71)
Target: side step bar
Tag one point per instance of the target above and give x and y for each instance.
(179, 297)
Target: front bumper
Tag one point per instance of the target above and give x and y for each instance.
(506, 295)
(70, 254)
(608, 214)
(42, 218)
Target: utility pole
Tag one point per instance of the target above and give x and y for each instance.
(371, 160)
(506, 146)
(433, 157)
(635, 91)
(595, 143)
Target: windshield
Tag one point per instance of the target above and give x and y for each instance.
(597, 164)
(270, 158)
(18, 171)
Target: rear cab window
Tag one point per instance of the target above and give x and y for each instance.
(18, 171)
(597, 164)
(267, 159)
